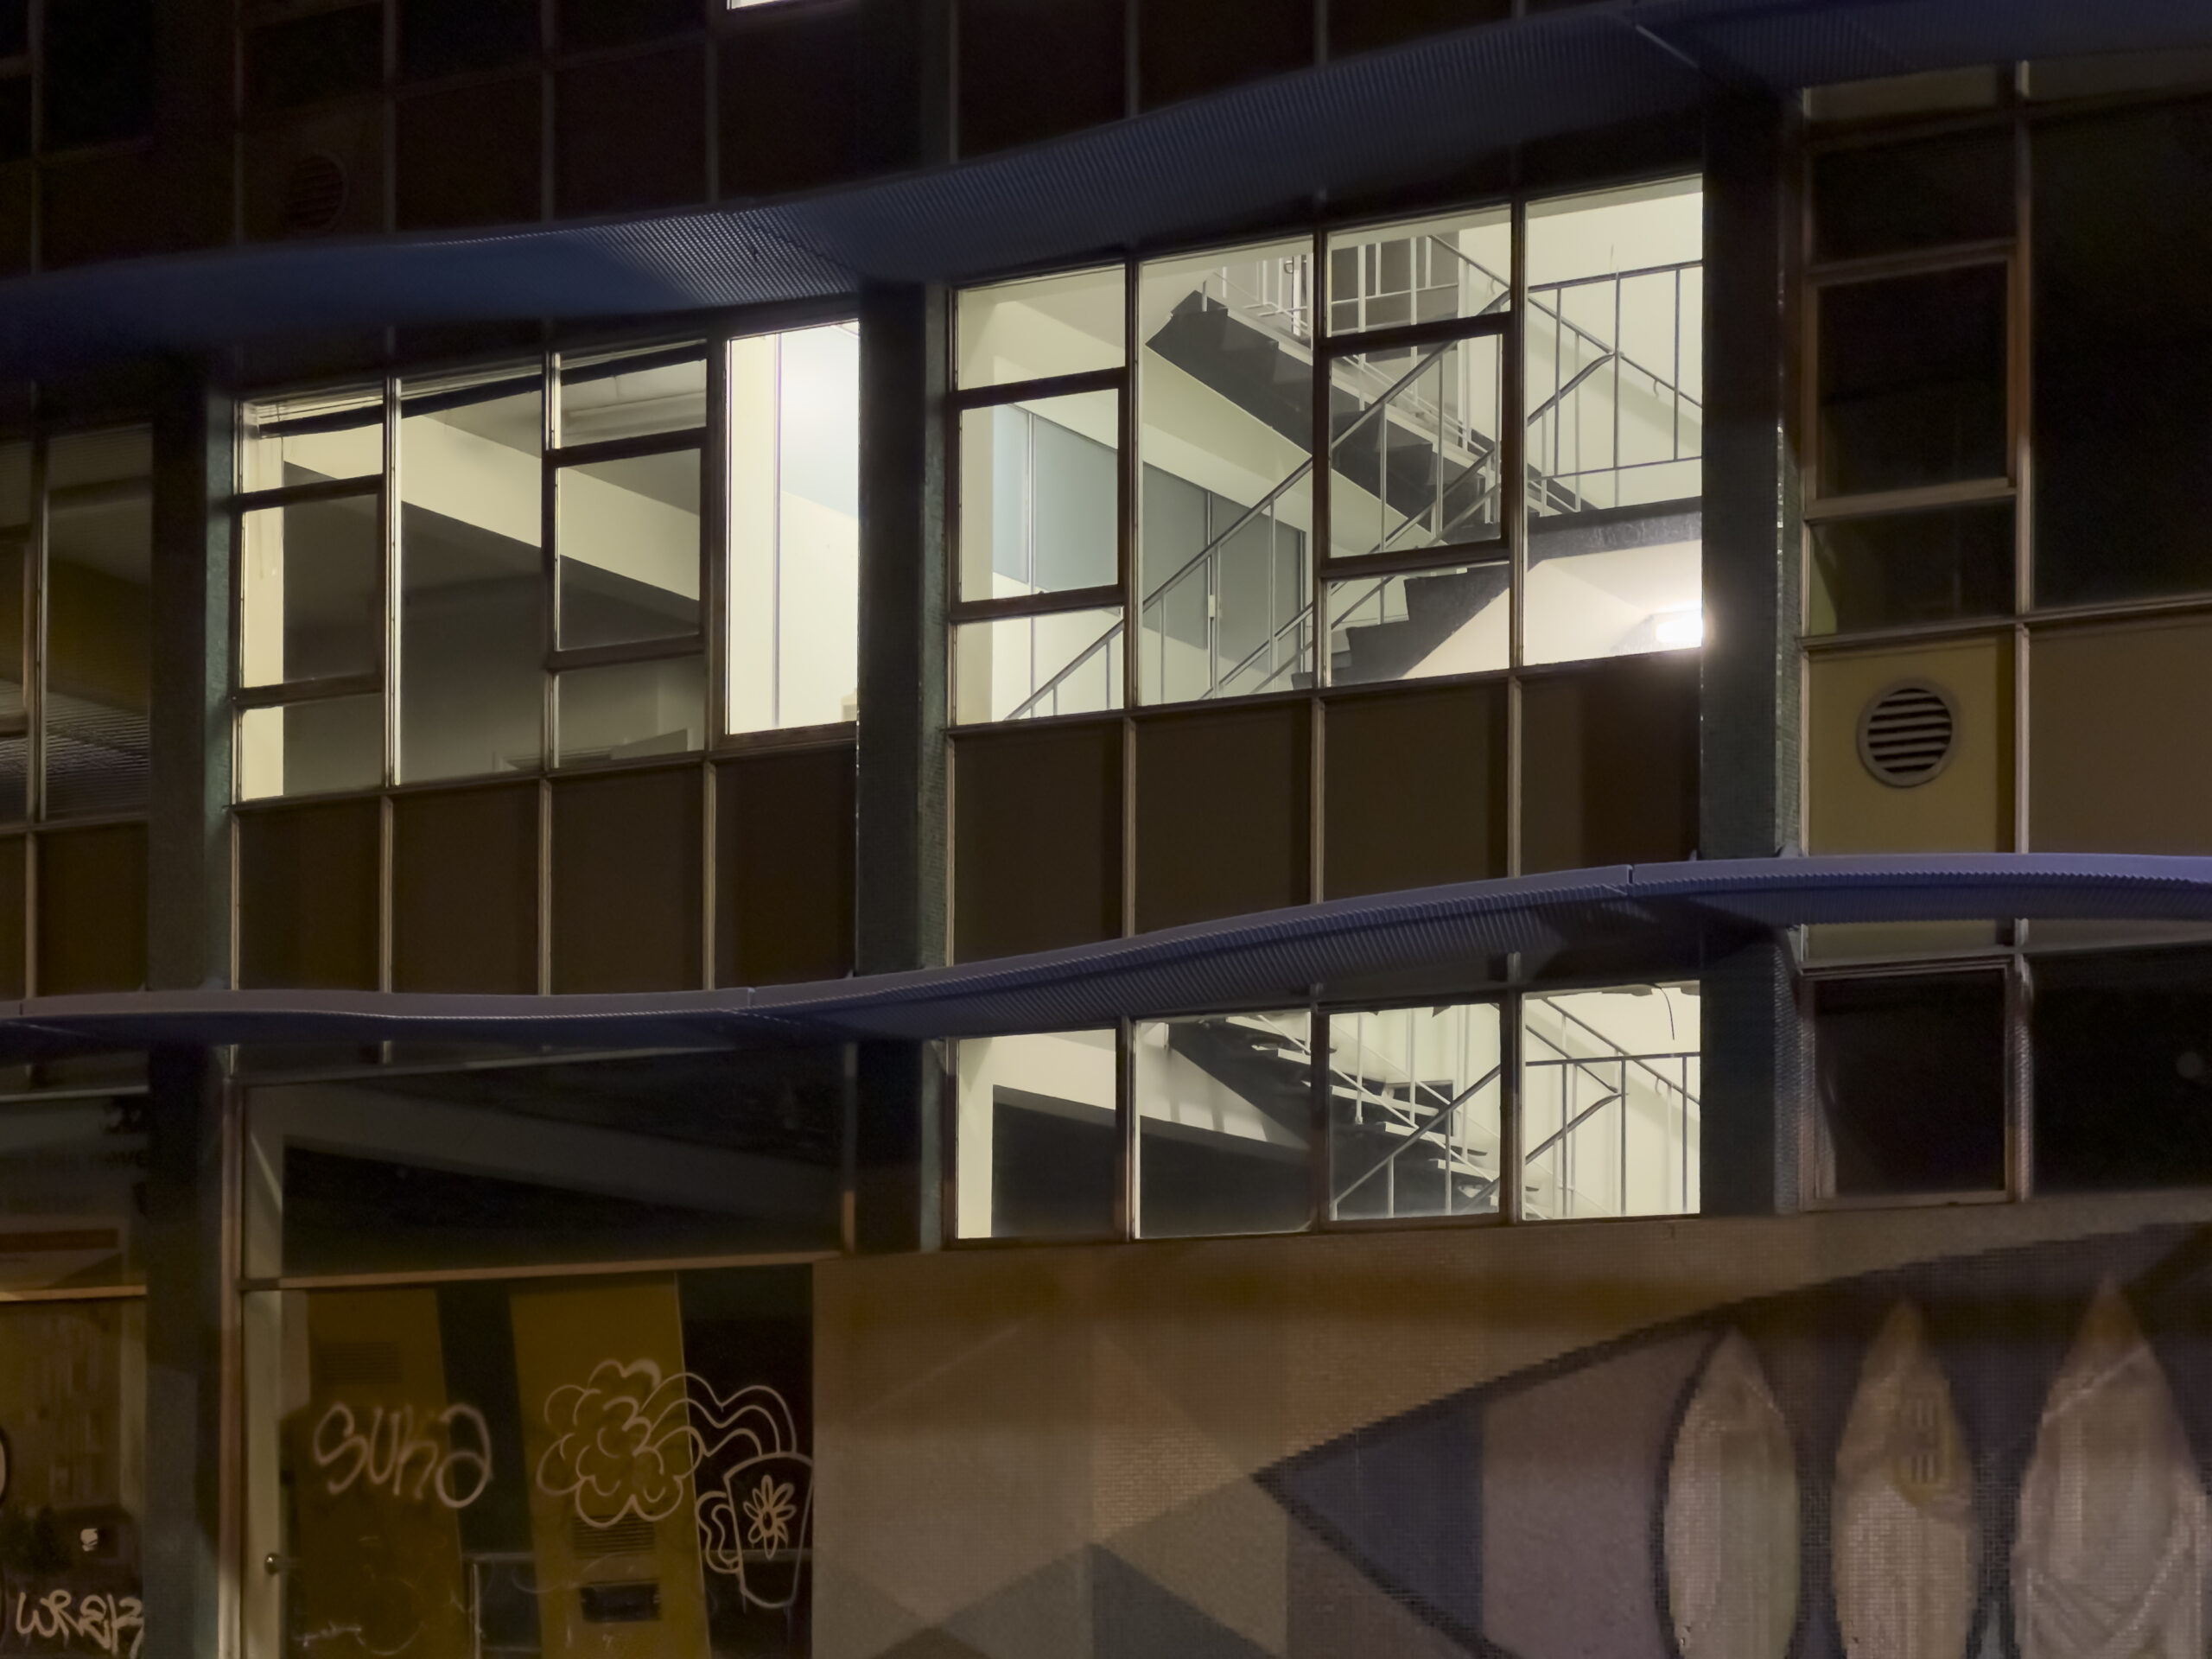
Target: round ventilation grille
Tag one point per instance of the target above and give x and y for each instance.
(1906, 733)
(314, 193)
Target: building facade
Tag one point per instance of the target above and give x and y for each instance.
(1023, 828)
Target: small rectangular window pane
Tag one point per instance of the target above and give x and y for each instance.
(1614, 370)
(1039, 494)
(607, 395)
(1912, 381)
(626, 536)
(1415, 1111)
(311, 591)
(1068, 324)
(1224, 1124)
(1912, 567)
(1039, 1138)
(72, 1191)
(631, 710)
(1386, 276)
(100, 576)
(1033, 667)
(1910, 1076)
(1416, 461)
(1456, 619)
(1616, 584)
(1226, 509)
(13, 557)
(15, 486)
(2121, 1073)
(794, 503)
(1880, 199)
(472, 640)
(310, 748)
(1610, 1117)
(311, 438)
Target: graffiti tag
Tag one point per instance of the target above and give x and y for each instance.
(110, 1625)
(394, 1447)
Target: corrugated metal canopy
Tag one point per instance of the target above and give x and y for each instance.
(1358, 124)
(1710, 907)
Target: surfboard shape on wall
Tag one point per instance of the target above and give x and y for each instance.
(2112, 1552)
(1731, 1525)
(1907, 1554)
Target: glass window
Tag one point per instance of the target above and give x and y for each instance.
(72, 1175)
(1609, 585)
(1040, 495)
(310, 748)
(1030, 667)
(1912, 376)
(1610, 1115)
(1414, 1113)
(1910, 1081)
(1391, 275)
(2122, 1078)
(607, 395)
(627, 711)
(1039, 1136)
(794, 574)
(1417, 464)
(1445, 620)
(1878, 199)
(1912, 567)
(471, 638)
(1225, 395)
(99, 582)
(626, 542)
(311, 591)
(311, 438)
(1047, 325)
(1224, 1124)
(604, 1465)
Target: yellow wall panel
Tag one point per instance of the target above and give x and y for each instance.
(1966, 808)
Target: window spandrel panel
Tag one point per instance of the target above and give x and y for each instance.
(1224, 1124)
(1068, 324)
(794, 569)
(1038, 1137)
(628, 711)
(471, 639)
(1226, 490)
(606, 396)
(1414, 1113)
(100, 577)
(626, 535)
(311, 438)
(1039, 488)
(1391, 276)
(1609, 1114)
(311, 591)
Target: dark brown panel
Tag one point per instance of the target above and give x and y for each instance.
(308, 881)
(18, 212)
(1223, 814)
(588, 23)
(91, 910)
(470, 156)
(309, 59)
(789, 86)
(783, 868)
(1415, 789)
(1184, 49)
(1362, 25)
(1036, 839)
(632, 133)
(1609, 764)
(1030, 69)
(464, 890)
(12, 944)
(628, 870)
(101, 207)
(451, 37)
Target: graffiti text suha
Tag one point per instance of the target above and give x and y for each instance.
(395, 1454)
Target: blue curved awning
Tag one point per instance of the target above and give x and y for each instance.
(1245, 961)
(1356, 125)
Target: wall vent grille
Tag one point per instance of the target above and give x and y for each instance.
(314, 195)
(628, 1535)
(1907, 733)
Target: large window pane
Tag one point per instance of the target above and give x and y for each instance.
(73, 1393)
(1392, 275)
(310, 437)
(1051, 325)
(794, 578)
(1880, 199)
(1030, 667)
(609, 395)
(1911, 1083)
(2123, 353)
(1224, 1124)
(70, 1183)
(100, 577)
(1610, 1119)
(1912, 567)
(1912, 376)
(1608, 584)
(1415, 460)
(2122, 1072)
(626, 535)
(1039, 489)
(631, 710)
(311, 591)
(471, 638)
(1415, 1111)
(1225, 395)
(605, 1465)
(1039, 1136)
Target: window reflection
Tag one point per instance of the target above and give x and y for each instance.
(100, 581)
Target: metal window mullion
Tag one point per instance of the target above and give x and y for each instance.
(1511, 1096)
(716, 476)
(2019, 1079)
(1319, 533)
(34, 574)
(1513, 510)
(1129, 1192)
(1321, 1164)
(1128, 548)
(548, 566)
